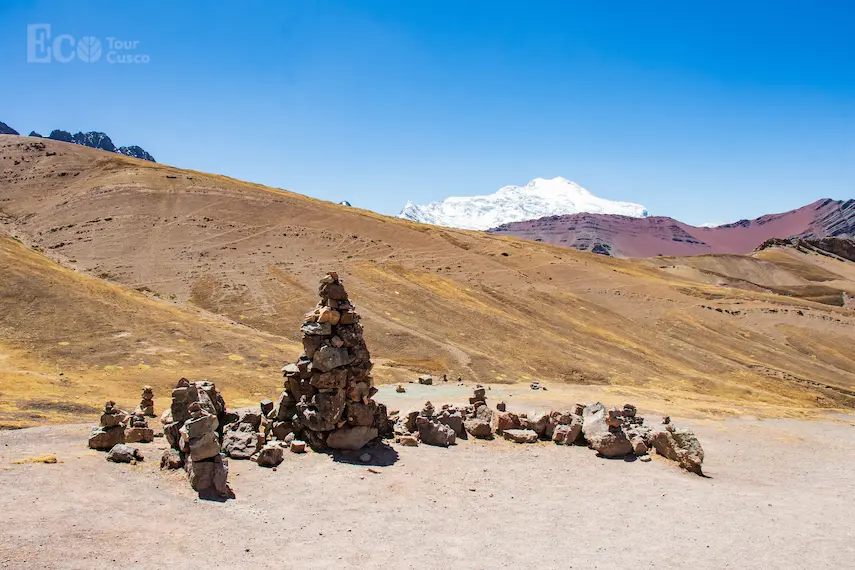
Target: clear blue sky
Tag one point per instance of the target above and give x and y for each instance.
(705, 111)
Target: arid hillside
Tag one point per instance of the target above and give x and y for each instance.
(236, 264)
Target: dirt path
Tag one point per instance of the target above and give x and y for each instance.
(778, 495)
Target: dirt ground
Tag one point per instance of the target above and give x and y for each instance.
(777, 494)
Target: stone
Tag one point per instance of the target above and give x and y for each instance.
(209, 475)
(540, 423)
(359, 414)
(680, 445)
(242, 442)
(506, 421)
(351, 438)
(426, 380)
(609, 443)
(454, 420)
(297, 446)
(317, 329)
(407, 440)
(400, 389)
(365, 458)
(478, 428)
(501, 406)
(638, 445)
(270, 455)
(104, 438)
(479, 393)
(334, 379)
(520, 435)
(645, 458)
(121, 453)
(326, 358)
(112, 419)
(266, 407)
(171, 459)
(434, 433)
(281, 430)
(594, 420)
(139, 435)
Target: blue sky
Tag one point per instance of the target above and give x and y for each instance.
(709, 111)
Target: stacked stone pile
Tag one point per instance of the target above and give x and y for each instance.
(137, 430)
(146, 406)
(328, 391)
(242, 438)
(207, 469)
(479, 416)
(186, 393)
(111, 430)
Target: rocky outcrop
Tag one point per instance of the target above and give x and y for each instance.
(98, 140)
(135, 152)
(7, 130)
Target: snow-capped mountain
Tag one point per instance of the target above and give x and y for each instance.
(540, 197)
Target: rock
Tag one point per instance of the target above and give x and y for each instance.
(501, 406)
(209, 475)
(103, 438)
(121, 453)
(426, 380)
(680, 445)
(139, 435)
(454, 420)
(270, 455)
(298, 446)
(645, 458)
(541, 423)
(610, 443)
(326, 358)
(171, 459)
(478, 428)
(434, 433)
(242, 442)
(351, 438)
(594, 420)
(506, 421)
(638, 445)
(359, 414)
(365, 458)
(407, 440)
(317, 329)
(520, 435)
(400, 389)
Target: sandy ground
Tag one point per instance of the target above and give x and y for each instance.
(778, 494)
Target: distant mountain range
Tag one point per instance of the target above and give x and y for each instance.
(540, 197)
(625, 236)
(93, 139)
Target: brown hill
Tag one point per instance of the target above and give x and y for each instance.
(623, 236)
(492, 308)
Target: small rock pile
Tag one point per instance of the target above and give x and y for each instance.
(242, 438)
(146, 406)
(184, 394)
(111, 430)
(328, 391)
(138, 430)
(479, 416)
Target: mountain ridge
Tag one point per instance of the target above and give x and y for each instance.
(623, 236)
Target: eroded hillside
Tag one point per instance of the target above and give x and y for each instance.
(491, 308)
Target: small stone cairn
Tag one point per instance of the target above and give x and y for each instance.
(208, 469)
(111, 430)
(138, 430)
(444, 426)
(328, 392)
(147, 402)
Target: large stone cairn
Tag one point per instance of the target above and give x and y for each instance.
(328, 391)
(111, 430)
(146, 406)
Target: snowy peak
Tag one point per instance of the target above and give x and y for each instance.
(540, 197)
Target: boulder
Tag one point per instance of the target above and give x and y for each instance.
(171, 459)
(540, 424)
(479, 428)
(506, 421)
(209, 475)
(638, 445)
(426, 380)
(680, 445)
(610, 443)
(520, 435)
(242, 442)
(351, 438)
(435, 433)
(594, 420)
(454, 420)
(270, 455)
(103, 439)
(567, 434)
(121, 453)
(139, 435)
(297, 446)
(327, 357)
(400, 389)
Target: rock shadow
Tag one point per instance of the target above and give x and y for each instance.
(382, 455)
